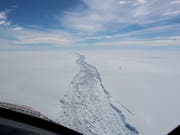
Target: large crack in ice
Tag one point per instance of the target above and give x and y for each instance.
(87, 106)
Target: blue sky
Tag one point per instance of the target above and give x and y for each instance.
(48, 24)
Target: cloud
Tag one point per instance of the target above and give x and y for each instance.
(15, 36)
(111, 15)
(158, 42)
(41, 37)
(94, 18)
(3, 18)
(17, 28)
(24, 37)
(148, 33)
(141, 1)
(171, 12)
(96, 22)
(175, 2)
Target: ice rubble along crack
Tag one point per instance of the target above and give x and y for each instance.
(87, 106)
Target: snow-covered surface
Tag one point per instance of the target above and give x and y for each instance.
(145, 83)
(36, 79)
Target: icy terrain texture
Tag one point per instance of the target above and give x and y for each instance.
(88, 108)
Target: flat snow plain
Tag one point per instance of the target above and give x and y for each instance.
(146, 82)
